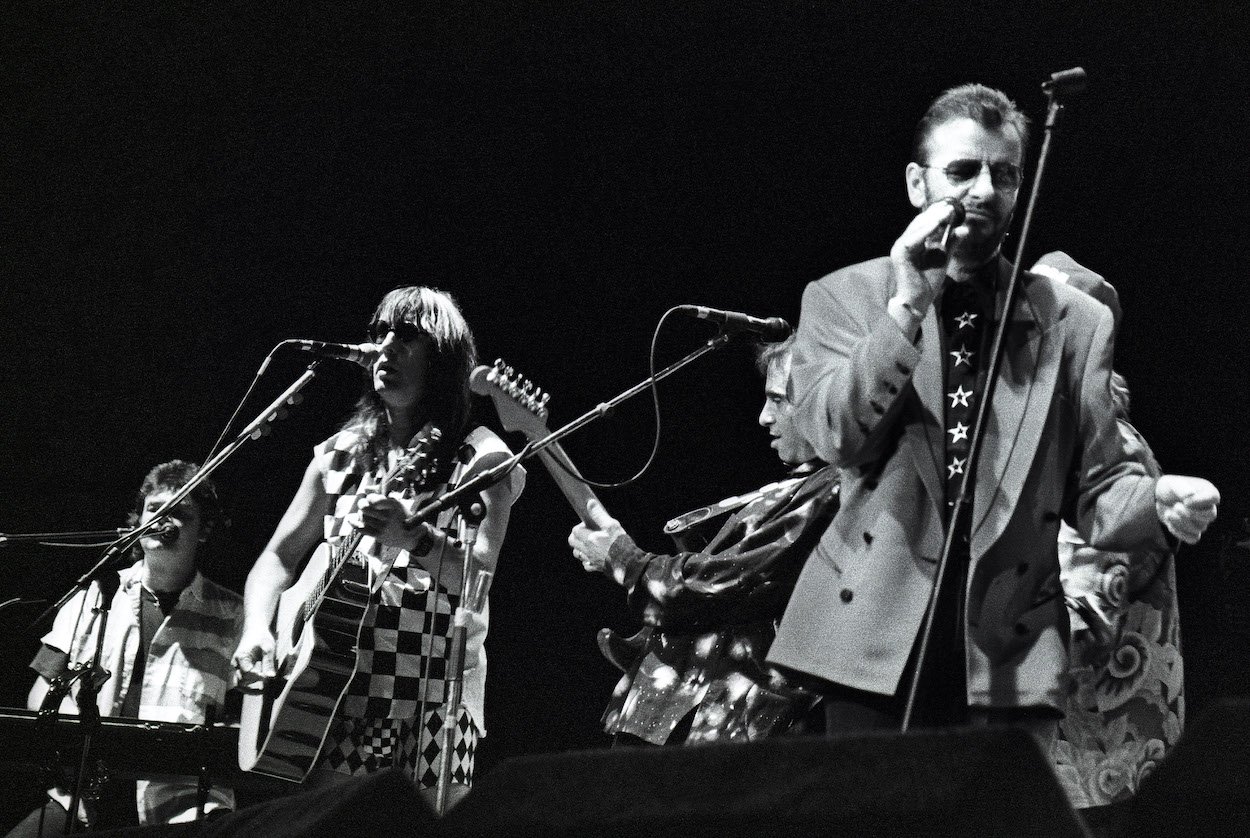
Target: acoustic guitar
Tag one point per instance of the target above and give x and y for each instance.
(284, 724)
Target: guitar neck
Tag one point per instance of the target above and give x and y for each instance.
(577, 493)
(340, 554)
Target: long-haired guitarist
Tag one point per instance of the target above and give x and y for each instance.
(419, 380)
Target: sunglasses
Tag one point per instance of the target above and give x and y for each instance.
(404, 331)
(963, 172)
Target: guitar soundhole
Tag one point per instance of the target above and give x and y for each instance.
(355, 588)
(353, 581)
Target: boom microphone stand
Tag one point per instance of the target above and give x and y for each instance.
(489, 477)
(1061, 84)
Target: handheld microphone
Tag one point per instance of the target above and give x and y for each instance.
(769, 329)
(358, 353)
(957, 218)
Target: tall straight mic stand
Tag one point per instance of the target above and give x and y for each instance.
(474, 586)
(1063, 83)
(89, 686)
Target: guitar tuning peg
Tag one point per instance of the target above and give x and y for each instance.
(295, 398)
(499, 363)
(528, 387)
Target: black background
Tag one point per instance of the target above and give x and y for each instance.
(183, 187)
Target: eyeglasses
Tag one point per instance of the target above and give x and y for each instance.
(404, 331)
(964, 172)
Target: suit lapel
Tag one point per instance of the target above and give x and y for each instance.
(1020, 408)
(927, 437)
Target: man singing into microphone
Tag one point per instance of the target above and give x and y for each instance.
(166, 648)
(890, 363)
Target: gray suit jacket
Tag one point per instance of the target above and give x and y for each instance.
(870, 400)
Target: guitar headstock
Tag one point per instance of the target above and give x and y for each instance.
(417, 466)
(521, 406)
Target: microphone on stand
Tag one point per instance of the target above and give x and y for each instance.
(166, 532)
(358, 353)
(1066, 82)
(769, 329)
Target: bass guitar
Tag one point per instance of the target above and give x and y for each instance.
(523, 407)
(284, 724)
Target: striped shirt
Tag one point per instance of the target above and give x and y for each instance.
(187, 668)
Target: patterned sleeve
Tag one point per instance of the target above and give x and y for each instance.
(759, 550)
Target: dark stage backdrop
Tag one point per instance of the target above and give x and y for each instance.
(183, 187)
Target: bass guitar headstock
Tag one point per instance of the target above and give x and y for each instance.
(521, 406)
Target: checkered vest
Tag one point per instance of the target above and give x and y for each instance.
(405, 640)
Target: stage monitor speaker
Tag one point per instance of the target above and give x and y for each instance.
(965, 784)
(1202, 788)
(378, 804)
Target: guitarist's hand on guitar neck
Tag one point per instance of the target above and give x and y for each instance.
(592, 542)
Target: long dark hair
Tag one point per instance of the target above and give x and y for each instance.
(453, 354)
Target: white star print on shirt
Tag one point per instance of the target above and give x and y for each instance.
(959, 398)
(962, 356)
(956, 467)
(965, 319)
(960, 431)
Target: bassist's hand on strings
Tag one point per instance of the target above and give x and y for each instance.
(591, 542)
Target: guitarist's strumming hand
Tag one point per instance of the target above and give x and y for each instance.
(592, 542)
(254, 659)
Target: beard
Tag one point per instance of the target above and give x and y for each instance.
(987, 229)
